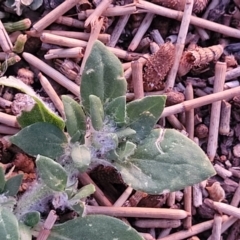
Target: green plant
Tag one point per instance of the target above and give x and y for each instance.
(104, 129)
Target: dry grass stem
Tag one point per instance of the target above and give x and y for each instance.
(122, 54)
(62, 41)
(227, 209)
(231, 84)
(201, 101)
(164, 232)
(224, 127)
(159, 223)
(222, 172)
(180, 43)
(236, 197)
(71, 22)
(77, 35)
(141, 31)
(138, 212)
(122, 199)
(189, 123)
(228, 223)
(194, 230)
(197, 195)
(97, 12)
(8, 130)
(76, 52)
(110, 11)
(157, 36)
(48, 224)
(54, 15)
(171, 199)
(5, 41)
(98, 194)
(8, 120)
(137, 79)
(216, 229)
(52, 94)
(95, 30)
(175, 123)
(51, 72)
(119, 27)
(220, 72)
(153, 8)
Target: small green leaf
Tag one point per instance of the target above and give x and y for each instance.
(77, 137)
(96, 112)
(41, 138)
(144, 113)
(81, 157)
(95, 227)
(39, 113)
(82, 193)
(9, 228)
(125, 133)
(165, 161)
(116, 109)
(102, 76)
(126, 150)
(31, 218)
(75, 117)
(51, 173)
(2, 179)
(12, 185)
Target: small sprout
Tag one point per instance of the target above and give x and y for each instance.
(18, 26)
(19, 44)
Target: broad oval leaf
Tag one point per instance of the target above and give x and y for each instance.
(75, 117)
(165, 161)
(51, 173)
(41, 138)
(102, 76)
(31, 218)
(95, 227)
(144, 113)
(12, 185)
(39, 112)
(9, 228)
(81, 157)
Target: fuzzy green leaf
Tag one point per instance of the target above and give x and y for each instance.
(75, 117)
(96, 112)
(102, 76)
(144, 113)
(12, 185)
(81, 157)
(39, 112)
(51, 173)
(165, 161)
(116, 109)
(2, 179)
(31, 218)
(95, 227)
(41, 138)
(25, 232)
(126, 150)
(9, 228)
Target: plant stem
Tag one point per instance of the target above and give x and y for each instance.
(77, 35)
(180, 43)
(216, 229)
(54, 15)
(224, 127)
(178, 15)
(201, 101)
(137, 79)
(8, 120)
(159, 223)
(138, 212)
(122, 199)
(8, 130)
(227, 209)
(98, 194)
(236, 197)
(5, 41)
(76, 52)
(52, 94)
(47, 226)
(220, 71)
(194, 230)
(51, 72)
(141, 31)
